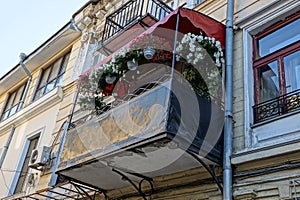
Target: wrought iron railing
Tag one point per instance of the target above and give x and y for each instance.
(278, 106)
(131, 12)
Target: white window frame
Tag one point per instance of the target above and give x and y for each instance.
(259, 135)
(21, 160)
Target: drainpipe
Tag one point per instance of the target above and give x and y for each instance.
(5, 148)
(22, 58)
(227, 170)
(66, 126)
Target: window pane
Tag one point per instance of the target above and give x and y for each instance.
(39, 93)
(50, 86)
(280, 38)
(13, 110)
(19, 95)
(5, 115)
(66, 60)
(24, 171)
(59, 80)
(268, 85)
(10, 101)
(55, 69)
(292, 71)
(44, 78)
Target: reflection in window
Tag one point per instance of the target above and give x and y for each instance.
(279, 79)
(268, 81)
(292, 71)
(280, 38)
(52, 76)
(13, 103)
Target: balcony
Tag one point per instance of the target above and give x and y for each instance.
(154, 133)
(126, 23)
(282, 105)
(161, 126)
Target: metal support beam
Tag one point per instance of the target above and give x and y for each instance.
(209, 170)
(137, 187)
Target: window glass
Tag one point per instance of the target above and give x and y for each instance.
(280, 38)
(52, 76)
(12, 103)
(65, 63)
(292, 71)
(19, 95)
(44, 77)
(5, 115)
(25, 169)
(10, 100)
(268, 82)
(50, 86)
(55, 69)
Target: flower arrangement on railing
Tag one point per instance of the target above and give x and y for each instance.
(204, 56)
(100, 82)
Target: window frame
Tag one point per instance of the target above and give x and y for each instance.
(278, 56)
(13, 104)
(32, 143)
(59, 75)
(22, 157)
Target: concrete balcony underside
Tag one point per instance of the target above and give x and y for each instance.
(151, 135)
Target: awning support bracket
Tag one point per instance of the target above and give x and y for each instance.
(211, 171)
(83, 193)
(139, 186)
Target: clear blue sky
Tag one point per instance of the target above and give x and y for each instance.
(25, 25)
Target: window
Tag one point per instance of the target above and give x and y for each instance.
(52, 76)
(21, 183)
(13, 102)
(193, 3)
(277, 70)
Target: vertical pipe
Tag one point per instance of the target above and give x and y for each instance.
(5, 148)
(227, 170)
(175, 42)
(53, 179)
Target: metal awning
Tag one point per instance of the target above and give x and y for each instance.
(191, 21)
(66, 190)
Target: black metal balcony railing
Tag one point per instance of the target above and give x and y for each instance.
(131, 12)
(278, 106)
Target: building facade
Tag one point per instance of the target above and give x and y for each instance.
(143, 146)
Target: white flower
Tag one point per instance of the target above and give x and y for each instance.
(192, 47)
(199, 38)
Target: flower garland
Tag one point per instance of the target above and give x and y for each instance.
(95, 86)
(205, 58)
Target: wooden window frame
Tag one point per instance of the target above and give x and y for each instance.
(277, 55)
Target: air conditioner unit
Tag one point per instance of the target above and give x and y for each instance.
(39, 157)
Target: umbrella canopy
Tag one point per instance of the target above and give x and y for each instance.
(190, 21)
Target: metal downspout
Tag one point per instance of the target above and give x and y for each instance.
(227, 170)
(22, 58)
(5, 148)
(66, 125)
